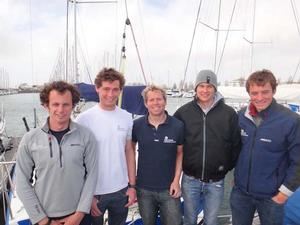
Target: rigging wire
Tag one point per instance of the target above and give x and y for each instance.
(123, 49)
(116, 35)
(191, 46)
(298, 28)
(85, 63)
(227, 34)
(217, 38)
(144, 39)
(295, 15)
(135, 43)
(85, 59)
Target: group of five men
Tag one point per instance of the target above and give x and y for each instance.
(67, 170)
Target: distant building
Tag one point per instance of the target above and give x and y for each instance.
(240, 82)
(25, 88)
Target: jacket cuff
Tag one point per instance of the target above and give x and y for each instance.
(285, 190)
(37, 219)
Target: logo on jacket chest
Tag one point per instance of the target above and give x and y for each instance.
(244, 133)
(169, 140)
(166, 140)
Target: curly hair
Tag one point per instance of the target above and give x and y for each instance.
(260, 78)
(109, 74)
(61, 87)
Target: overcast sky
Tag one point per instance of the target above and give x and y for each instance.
(32, 32)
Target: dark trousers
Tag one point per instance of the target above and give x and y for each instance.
(114, 203)
(243, 207)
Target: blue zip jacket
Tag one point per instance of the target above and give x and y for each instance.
(292, 209)
(270, 158)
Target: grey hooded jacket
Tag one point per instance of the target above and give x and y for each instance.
(65, 174)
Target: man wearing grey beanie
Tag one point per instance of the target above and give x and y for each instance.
(211, 146)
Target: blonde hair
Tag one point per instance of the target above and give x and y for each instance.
(153, 88)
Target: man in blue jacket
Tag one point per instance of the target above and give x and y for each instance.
(268, 167)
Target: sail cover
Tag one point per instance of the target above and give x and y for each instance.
(132, 100)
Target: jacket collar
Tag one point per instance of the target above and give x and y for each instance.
(166, 121)
(45, 127)
(262, 114)
(217, 98)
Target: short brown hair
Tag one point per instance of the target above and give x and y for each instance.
(61, 87)
(109, 74)
(260, 78)
(153, 88)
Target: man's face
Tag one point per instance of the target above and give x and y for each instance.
(261, 96)
(60, 108)
(205, 93)
(108, 93)
(155, 103)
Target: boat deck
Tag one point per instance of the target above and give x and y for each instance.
(8, 156)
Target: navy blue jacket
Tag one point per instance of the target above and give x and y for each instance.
(270, 156)
(292, 209)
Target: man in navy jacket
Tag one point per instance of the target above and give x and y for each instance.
(268, 167)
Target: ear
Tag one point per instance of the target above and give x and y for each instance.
(97, 89)
(46, 106)
(145, 103)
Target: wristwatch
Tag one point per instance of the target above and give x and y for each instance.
(131, 185)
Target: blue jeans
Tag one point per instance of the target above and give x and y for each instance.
(197, 194)
(152, 202)
(243, 207)
(115, 204)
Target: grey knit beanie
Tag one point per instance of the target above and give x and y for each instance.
(206, 76)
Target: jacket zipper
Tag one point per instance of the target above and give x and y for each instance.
(60, 155)
(250, 161)
(51, 150)
(60, 148)
(50, 145)
(204, 146)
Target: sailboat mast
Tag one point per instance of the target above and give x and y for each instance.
(67, 43)
(75, 44)
(217, 36)
(253, 30)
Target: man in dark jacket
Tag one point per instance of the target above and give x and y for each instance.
(210, 149)
(268, 168)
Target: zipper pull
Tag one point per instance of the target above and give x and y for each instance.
(50, 145)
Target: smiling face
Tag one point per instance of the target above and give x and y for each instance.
(205, 93)
(60, 108)
(155, 103)
(109, 92)
(261, 96)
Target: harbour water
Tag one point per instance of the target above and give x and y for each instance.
(22, 105)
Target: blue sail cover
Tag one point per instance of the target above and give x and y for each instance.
(132, 100)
